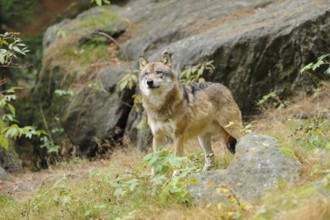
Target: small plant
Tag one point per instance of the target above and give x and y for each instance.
(60, 92)
(312, 134)
(194, 74)
(9, 128)
(231, 207)
(50, 146)
(100, 2)
(162, 185)
(322, 60)
(248, 128)
(129, 80)
(271, 100)
(10, 46)
(59, 32)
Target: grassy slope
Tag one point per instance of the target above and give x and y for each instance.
(81, 190)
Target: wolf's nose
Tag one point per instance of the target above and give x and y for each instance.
(150, 82)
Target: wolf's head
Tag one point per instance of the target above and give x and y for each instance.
(156, 77)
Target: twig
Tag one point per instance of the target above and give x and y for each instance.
(45, 123)
(114, 41)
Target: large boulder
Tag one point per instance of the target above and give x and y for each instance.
(258, 166)
(97, 115)
(9, 160)
(257, 46)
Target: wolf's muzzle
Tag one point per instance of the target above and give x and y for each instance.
(151, 84)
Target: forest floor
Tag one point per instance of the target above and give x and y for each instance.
(119, 187)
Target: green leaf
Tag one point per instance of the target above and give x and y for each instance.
(201, 80)
(11, 108)
(328, 70)
(307, 67)
(323, 57)
(98, 2)
(130, 84)
(15, 48)
(2, 59)
(147, 157)
(317, 65)
(123, 85)
(106, 2)
(134, 78)
(4, 142)
(118, 192)
(12, 131)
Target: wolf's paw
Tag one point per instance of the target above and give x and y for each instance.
(153, 172)
(209, 162)
(207, 167)
(176, 173)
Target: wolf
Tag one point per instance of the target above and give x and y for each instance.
(184, 111)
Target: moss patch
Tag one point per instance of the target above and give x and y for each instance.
(308, 202)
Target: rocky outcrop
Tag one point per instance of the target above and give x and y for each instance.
(258, 166)
(4, 175)
(9, 161)
(96, 115)
(257, 46)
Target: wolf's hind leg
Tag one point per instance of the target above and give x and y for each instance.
(205, 142)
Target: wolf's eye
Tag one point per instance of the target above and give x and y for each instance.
(146, 73)
(159, 73)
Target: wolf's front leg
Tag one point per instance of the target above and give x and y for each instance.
(158, 140)
(178, 144)
(205, 142)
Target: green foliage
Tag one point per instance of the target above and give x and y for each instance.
(9, 128)
(248, 128)
(231, 207)
(129, 80)
(271, 100)
(312, 133)
(59, 32)
(15, 12)
(49, 145)
(10, 46)
(160, 185)
(322, 60)
(288, 152)
(99, 2)
(306, 202)
(194, 74)
(61, 92)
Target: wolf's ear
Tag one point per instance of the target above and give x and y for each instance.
(143, 61)
(167, 59)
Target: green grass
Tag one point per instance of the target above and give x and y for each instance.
(306, 202)
(122, 187)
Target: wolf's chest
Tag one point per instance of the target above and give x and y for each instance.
(166, 127)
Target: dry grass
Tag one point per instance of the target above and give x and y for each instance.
(80, 189)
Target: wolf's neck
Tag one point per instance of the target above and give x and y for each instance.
(164, 101)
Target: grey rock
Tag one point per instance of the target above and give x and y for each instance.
(4, 175)
(140, 134)
(96, 115)
(26, 186)
(86, 24)
(9, 160)
(258, 46)
(257, 167)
